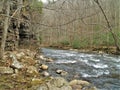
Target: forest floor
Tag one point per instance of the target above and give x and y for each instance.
(19, 71)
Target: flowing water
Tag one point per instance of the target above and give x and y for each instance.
(101, 70)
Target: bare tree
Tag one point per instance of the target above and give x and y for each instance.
(109, 26)
(6, 25)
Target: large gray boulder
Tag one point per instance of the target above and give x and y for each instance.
(56, 83)
(15, 63)
(81, 85)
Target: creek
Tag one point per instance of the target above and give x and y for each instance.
(102, 70)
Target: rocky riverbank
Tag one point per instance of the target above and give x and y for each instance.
(96, 49)
(26, 70)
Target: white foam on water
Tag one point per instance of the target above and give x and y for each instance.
(117, 60)
(118, 66)
(96, 73)
(107, 72)
(100, 65)
(109, 58)
(68, 54)
(85, 61)
(87, 75)
(66, 61)
(96, 65)
(95, 60)
(86, 55)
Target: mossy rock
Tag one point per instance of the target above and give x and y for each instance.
(4, 87)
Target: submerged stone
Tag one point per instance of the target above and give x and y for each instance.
(61, 72)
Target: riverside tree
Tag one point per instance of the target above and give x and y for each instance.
(81, 23)
(6, 25)
(115, 37)
(16, 17)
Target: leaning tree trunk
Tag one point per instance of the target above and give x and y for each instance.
(109, 26)
(6, 25)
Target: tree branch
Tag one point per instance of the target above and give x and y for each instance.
(109, 26)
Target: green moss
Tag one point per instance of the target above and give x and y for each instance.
(96, 27)
(76, 44)
(4, 87)
(37, 5)
(65, 42)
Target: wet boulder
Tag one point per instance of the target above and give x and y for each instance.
(49, 60)
(56, 83)
(61, 72)
(81, 85)
(44, 67)
(45, 74)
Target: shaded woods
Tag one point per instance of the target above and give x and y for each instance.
(81, 23)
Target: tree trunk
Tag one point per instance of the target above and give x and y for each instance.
(109, 26)
(19, 7)
(6, 25)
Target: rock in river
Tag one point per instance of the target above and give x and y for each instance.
(56, 83)
(44, 67)
(81, 85)
(46, 74)
(61, 72)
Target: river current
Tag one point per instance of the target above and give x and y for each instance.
(102, 70)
